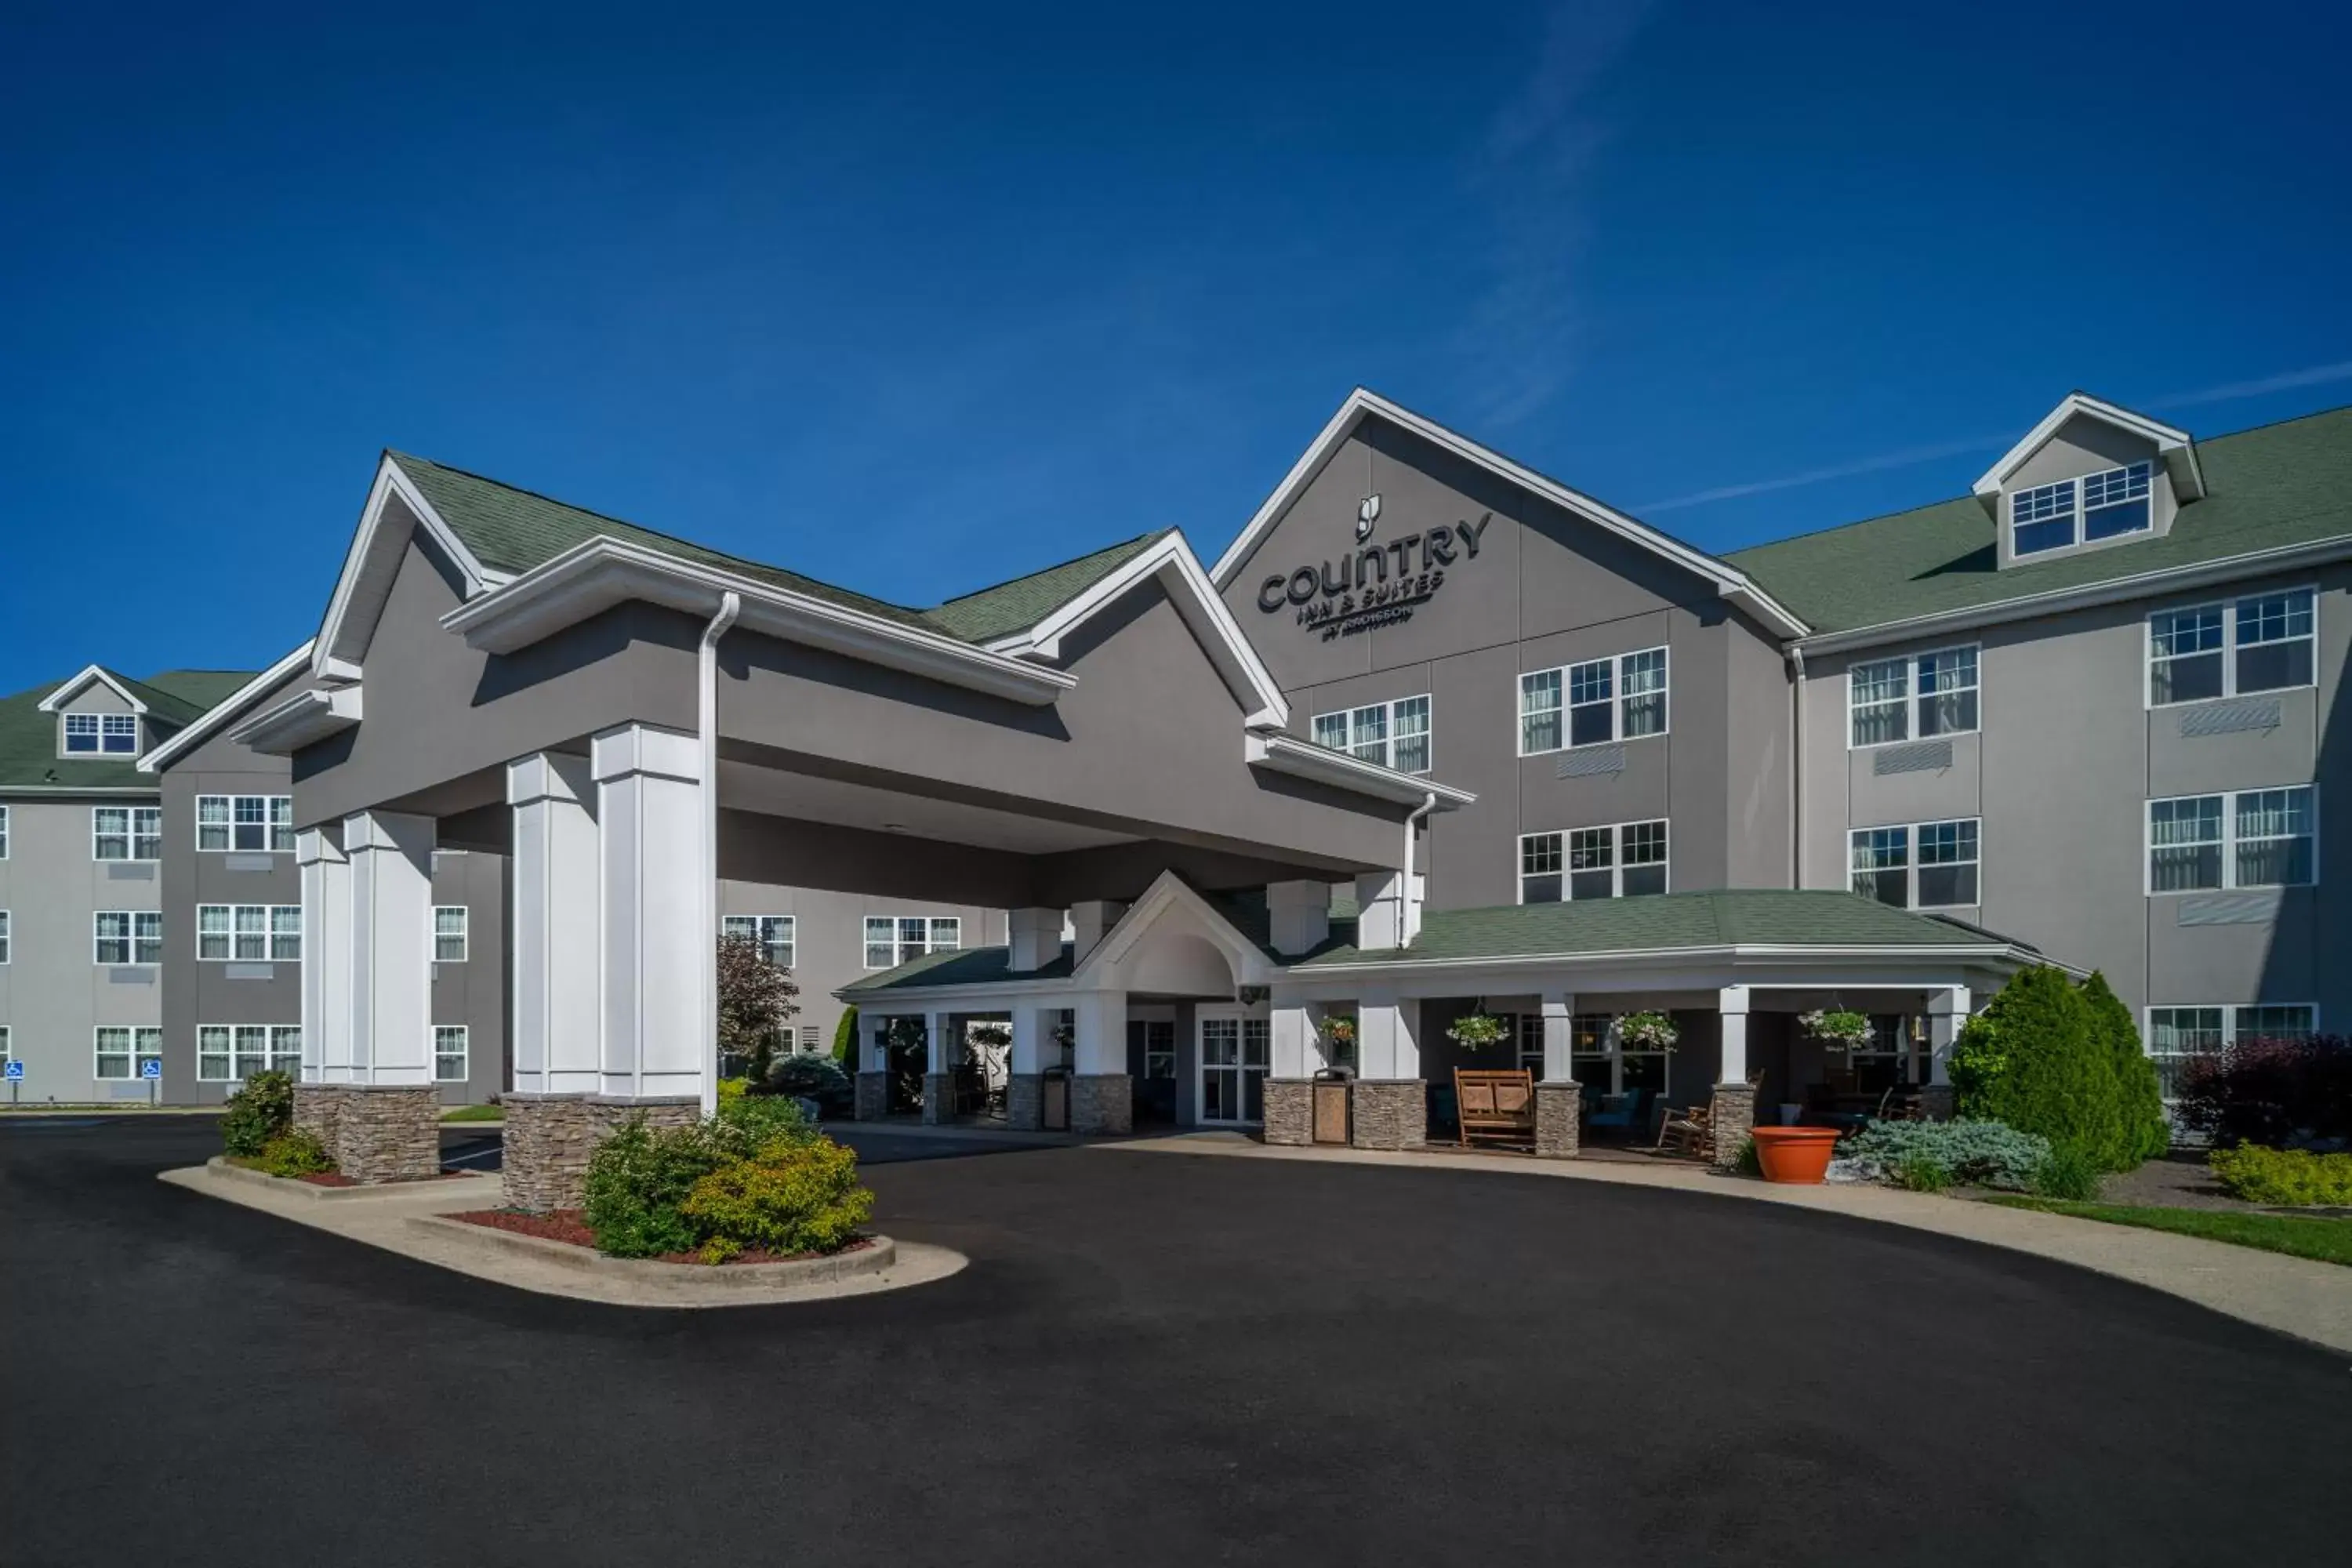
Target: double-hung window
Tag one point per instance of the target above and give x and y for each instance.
(231, 1053)
(124, 1053)
(772, 933)
(2104, 505)
(1606, 700)
(450, 932)
(2248, 838)
(1392, 734)
(450, 1043)
(2262, 642)
(246, 823)
(1617, 861)
(2177, 1035)
(1917, 865)
(126, 833)
(101, 734)
(250, 933)
(127, 937)
(892, 940)
(4, 833)
(1919, 696)
(4, 936)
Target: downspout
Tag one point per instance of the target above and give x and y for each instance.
(1797, 766)
(706, 716)
(1405, 924)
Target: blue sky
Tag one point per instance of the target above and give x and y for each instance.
(916, 302)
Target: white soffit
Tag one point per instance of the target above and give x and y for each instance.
(221, 712)
(284, 728)
(2173, 446)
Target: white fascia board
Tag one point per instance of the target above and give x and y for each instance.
(592, 577)
(1304, 759)
(1250, 964)
(1773, 953)
(87, 673)
(897, 1001)
(339, 649)
(1188, 588)
(1729, 581)
(284, 728)
(2117, 590)
(2176, 446)
(221, 712)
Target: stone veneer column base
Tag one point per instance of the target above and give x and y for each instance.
(1558, 1107)
(1936, 1103)
(549, 1137)
(1290, 1110)
(1730, 1120)
(1390, 1112)
(388, 1131)
(938, 1099)
(1024, 1101)
(1102, 1102)
(318, 1110)
(872, 1095)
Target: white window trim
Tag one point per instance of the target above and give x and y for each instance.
(269, 933)
(898, 948)
(2229, 1011)
(8, 938)
(269, 824)
(1347, 717)
(1911, 859)
(1568, 705)
(757, 934)
(131, 835)
(132, 938)
(2229, 846)
(465, 932)
(271, 1051)
(4, 833)
(2079, 513)
(1616, 831)
(1911, 695)
(139, 1034)
(2229, 651)
(464, 1053)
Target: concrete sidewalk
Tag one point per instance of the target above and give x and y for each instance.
(2293, 1296)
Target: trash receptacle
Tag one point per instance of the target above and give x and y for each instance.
(1054, 1094)
(1331, 1107)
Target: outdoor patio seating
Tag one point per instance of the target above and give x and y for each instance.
(1617, 1111)
(1495, 1105)
(1687, 1132)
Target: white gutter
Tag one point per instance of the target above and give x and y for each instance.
(707, 708)
(1406, 925)
(1796, 768)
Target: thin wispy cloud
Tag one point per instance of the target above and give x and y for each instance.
(2285, 381)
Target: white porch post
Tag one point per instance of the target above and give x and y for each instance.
(554, 868)
(1947, 1013)
(327, 958)
(1387, 1030)
(1390, 1103)
(944, 1049)
(1295, 1054)
(1102, 1095)
(1559, 1013)
(654, 948)
(391, 872)
(1560, 1102)
(1732, 1005)
(1290, 1115)
(1032, 1049)
(1732, 1108)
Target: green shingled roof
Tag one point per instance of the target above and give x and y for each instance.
(2282, 484)
(512, 531)
(28, 737)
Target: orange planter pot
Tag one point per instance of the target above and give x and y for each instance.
(1799, 1155)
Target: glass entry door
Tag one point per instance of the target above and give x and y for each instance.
(1235, 1050)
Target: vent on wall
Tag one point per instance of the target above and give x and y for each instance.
(2228, 909)
(2230, 718)
(1919, 757)
(1587, 760)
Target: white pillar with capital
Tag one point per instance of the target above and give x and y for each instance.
(326, 962)
(1387, 1034)
(1558, 1036)
(553, 909)
(389, 857)
(1732, 1006)
(1947, 1012)
(653, 948)
(1102, 1095)
(1732, 1114)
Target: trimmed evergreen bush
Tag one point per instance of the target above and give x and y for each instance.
(2040, 1059)
(2145, 1132)
(845, 1041)
(255, 1114)
(819, 1078)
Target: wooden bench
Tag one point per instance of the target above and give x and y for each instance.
(1496, 1105)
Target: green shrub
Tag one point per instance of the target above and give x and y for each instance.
(792, 1197)
(295, 1154)
(2262, 1175)
(819, 1078)
(1749, 1164)
(845, 1041)
(255, 1114)
(2039, 1058)
(734, 1088)
(1920, 1174)
(638, 1180)
(745, 1127)
(2070, 1173)
(2145, 1132)
(1984, 1153)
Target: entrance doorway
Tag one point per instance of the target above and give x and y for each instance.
(1151, 1048)
(1235, 1049)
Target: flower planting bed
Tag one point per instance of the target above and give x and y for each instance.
(569, 1227)
(562, 1239)
(331, 1184)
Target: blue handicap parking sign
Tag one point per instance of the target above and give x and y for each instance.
(15, 1071)
(150, 1067)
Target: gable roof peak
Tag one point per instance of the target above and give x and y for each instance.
(2176, 446)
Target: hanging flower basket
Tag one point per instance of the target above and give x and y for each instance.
(1339, 1031)
(1475, 1031)
(994, 1035)
(1839, 1028)
(1647, 1032)
(906, 1034)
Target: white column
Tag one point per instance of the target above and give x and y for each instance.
(1294, 1040)
(1948, 1011)
(1387, 1030)
(1732, 1004)
(1558, 1014)
(873, 1045)
(1380, 910)
(1029, 1040)
(1298, 916)
(1102, 1033)
(553, 908)
(653, 947)
(390, 870)
(326, 958)
(1034, 937)
(945, 1049)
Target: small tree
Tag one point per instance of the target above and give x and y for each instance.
(845, 1041)
(755, 1004)
(2035, 1060)
(2143, 1130)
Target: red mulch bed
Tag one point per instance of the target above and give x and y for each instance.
(571, 1228)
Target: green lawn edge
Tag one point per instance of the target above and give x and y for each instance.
(476, 1113)
(2321, 1240)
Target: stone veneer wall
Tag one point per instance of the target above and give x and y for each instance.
(1558, 1107)
(388, 1131)
(549, 1137)
(938, 1099)
(1391, 1113)
(1024, 1101)
(1732, 1119)
(318, 1108)
(872, 1095)
(1289, 1111)
(1102, 1102)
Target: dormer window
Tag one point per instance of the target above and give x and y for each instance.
(101, 734)
(2103, 505)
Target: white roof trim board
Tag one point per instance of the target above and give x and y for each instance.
(374, 560)
(65, 694)
(221, 712)
(1729, 581)
(2176, 446)
(304, 719)
(1304, 759)
(1188, 588)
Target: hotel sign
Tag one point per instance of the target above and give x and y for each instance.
(1372, 584)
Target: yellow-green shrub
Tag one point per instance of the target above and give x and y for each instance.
(2261, 1175)
(295, 1154)
(734, 1088)
(790, 1196)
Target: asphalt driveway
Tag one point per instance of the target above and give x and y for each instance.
(1152, 1359)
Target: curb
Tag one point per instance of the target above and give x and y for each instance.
(685, 1279)
(219, 1168)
